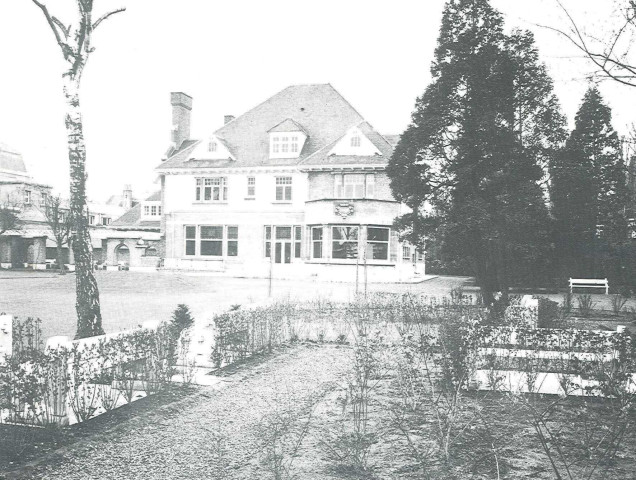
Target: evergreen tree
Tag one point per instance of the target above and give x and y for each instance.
(470, 163)
(589, 193)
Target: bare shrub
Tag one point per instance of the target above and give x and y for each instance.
(586, 304)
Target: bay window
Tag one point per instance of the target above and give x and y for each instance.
(344, 243)
(316, 242)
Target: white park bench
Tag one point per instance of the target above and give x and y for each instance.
(589, 283)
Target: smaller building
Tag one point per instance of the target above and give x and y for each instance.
(134, 240)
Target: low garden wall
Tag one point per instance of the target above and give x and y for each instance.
(68, 382)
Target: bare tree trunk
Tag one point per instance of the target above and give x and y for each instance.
(89, 317)
(60, 258)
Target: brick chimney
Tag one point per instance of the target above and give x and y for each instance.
(181, 108)
(228, 119)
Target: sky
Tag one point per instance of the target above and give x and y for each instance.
(232, 55)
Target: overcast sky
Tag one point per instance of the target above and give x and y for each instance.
(232, 55)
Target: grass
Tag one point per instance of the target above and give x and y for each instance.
(130, 298)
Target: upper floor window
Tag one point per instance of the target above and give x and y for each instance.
(27, 197)
(105, 221)
(283, 188)
(212, 146)
(152, 210)
(354, 185)
(211, 189)
(355, 141)
(43, 199)
(286, 145)
(91, 219)
(251, 186)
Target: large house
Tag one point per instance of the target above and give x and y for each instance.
(294, 187)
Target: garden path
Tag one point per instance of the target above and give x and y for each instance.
(210, 434)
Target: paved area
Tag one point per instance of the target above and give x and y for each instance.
(130, 298)
(213, 434)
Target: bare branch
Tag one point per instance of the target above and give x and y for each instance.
(65, 30)
(106, 15)
(66, 49)
(610, 64)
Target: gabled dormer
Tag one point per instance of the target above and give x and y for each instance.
(213, 148)
(286, 140)
(354, 143)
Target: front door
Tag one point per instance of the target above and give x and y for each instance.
(282, 252)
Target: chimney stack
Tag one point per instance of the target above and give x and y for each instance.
(181, 108)
(127, 200)
(228, 119)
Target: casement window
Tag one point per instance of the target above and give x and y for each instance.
(268, 241)
(43, 199)
(190, 240)
(344, 243)
(91, 219)
(232, 241)
(406, 252)
(105, 221)
(377, 243)
(211, 189)
(251, 186)
(298, 236)
(209, 240)
(354, 185)
(212, 146)
(355, 141)
(316, 242)
(284, 144)
(27, 197)
(283, 188)
(153, 210)
(146, 210)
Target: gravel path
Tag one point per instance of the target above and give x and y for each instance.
(211, 434)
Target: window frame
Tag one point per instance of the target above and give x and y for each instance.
(355, 241)
(387, 242)
(358, 190)
(251, 187)
(228, 241)
(317, 242)
(207, 188)
(284, 185)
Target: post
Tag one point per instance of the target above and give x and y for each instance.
(271, 267)
(366, 245)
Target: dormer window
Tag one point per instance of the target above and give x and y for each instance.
(286, 139)
(355, 141)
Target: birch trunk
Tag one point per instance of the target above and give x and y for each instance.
(89, 317)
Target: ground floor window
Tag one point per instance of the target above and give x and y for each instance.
(316, 242)
(351, 242)
(377, 243)
(211, 240)
(344, 243)
(285, 241)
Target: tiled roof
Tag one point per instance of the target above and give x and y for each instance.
(392, 139)
(11, 160)
(287, 125)
(132, 218)
(320, 110)
(322, 157)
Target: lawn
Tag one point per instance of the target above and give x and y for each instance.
(131, 298)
